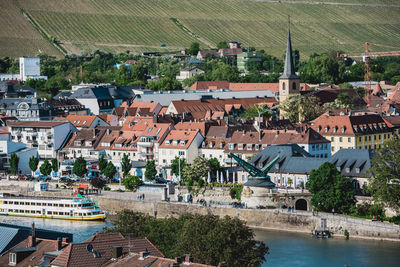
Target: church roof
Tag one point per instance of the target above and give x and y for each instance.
(289, 72)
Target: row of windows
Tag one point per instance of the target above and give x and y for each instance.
(319, 147)
(362, 147)
(45, 204)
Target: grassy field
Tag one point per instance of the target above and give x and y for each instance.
(143, 25)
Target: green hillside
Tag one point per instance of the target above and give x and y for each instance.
(143, 25)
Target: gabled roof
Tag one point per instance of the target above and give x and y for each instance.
(81, 120)
(377, 90)
(77, 255)
(179, 139)
(188, 125)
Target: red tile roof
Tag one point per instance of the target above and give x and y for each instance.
(179, 139)
(188, 125)
(273, 87)
(205, 85)
(81, 120)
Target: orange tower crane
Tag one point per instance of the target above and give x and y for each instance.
(366, 59)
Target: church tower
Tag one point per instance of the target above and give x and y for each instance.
(289, 82)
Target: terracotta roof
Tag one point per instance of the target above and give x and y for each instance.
(375, 103)
(81, 120)
(107, 118)
(163, 110)
(36, 256)
(205, 85)
(92, 135)
(4, 130)
(348, 124)
(214, 105)
(188, 125)
(392, 121)
(77, 255)
(135, 260)
(327, 95)
(130, 121)
(205, 52)
(119, 111)
(217, 131)
(179, 139)
(34, 123)
(229, 52)
(105, 237)
(394, 95)
(140, 105)
(377, 90)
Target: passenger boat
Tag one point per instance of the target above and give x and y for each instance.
(54, 208)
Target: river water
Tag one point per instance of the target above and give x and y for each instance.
(286, 248)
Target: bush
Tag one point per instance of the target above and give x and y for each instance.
(200, 183)
(107, 188)
(368, 209)
(131, 182)
(346, 234)
(236, 191)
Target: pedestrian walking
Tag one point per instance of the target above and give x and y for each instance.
(333, 211)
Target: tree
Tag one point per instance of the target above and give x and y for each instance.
(257, 110)
(55, 84)
(323, 68)
(303, 109)
(197, 170)
(151, 171)
(165, 84)
(102, 163)
(175, 165)
(110, 170)
(330, 189)
(208, 238)
(222, 44)
(14, 160)
(215, 167)
(131, 182)
(194, 49)
(98, 182)
(385, 171)
(45, 168)
(54, 164)
(126, 165)
(33, 163)
(79, 168)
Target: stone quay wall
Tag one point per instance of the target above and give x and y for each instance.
(268, 219)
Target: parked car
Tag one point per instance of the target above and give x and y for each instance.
(22, 177)
(44, 178)
(29, 177)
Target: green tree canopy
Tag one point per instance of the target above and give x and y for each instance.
(325, 68)
(175, 165)
(33, 163)
(131, 182)
(98, 182)
(194, 49)
(165, 84)
(102, 163)
(222, 44)
(208, 238)
(79, 168)
(385, 170)
(330, 189)
(197, 170)
(215, 167)
(45, 168)
(151, 171)
(126, 165)
(302, 109)
(110, 170)
(54, 164)
(257, 110)
(55, 84)
(14, 160)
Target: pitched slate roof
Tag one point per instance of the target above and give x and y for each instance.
(288, 71)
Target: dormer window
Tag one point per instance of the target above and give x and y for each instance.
(88, 143)
(118, 145)
(175, 142)
(326, 129)
(210, 145)
(334, 129)
(249, 146)
(231, 146)
(183, 142)
(357, 170)
(203, 144)
(221, 145)
(343, 129)
(347, 169)
(168, 142)
(318, 128)
(105, 144)
(77, 143)
(240, 146)
(84, 122)
(257, 147)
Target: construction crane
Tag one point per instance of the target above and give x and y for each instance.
(366, 59)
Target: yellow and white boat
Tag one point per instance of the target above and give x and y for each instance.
(54, 208)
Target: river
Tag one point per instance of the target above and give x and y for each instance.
(286, 248)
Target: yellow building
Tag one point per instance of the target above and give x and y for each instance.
(357, 130)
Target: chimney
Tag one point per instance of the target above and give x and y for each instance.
(58, 243)
(32, 238)
(143, 254)
(188, 259)
(117, 252)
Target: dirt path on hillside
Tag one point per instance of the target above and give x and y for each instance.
(325, 3)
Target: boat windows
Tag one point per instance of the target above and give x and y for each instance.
(44, 204)
(61, 205)
(50, 204)
(80, 214)
(49, 212)
(61, 213)
(27, 203)
(5, 202)
(55, 212)
(16, 203)
(38, 204)
(55, 205)
(67, 205)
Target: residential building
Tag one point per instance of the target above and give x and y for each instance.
(232, 106)
(65, 106)
(202, 54)
(394, 123)
(48, 137)
(234, 44)
(26, 109)
(349, 129)
(10, 90)
(84, 144)
(188, 73)
(243, 59)
(104, 250)
(178, 143)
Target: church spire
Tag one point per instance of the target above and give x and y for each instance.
(289, 72)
